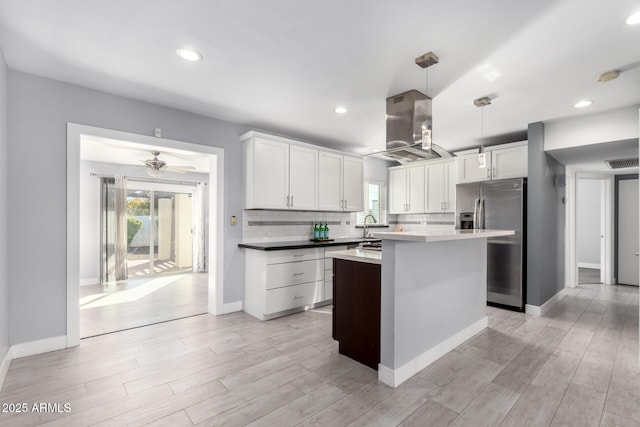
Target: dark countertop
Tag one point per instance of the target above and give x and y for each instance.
(301, 244)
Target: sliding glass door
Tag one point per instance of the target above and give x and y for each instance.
(160, 231)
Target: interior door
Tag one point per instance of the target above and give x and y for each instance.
(628, 232)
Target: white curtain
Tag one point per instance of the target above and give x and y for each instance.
(120, 202)
(199, 227)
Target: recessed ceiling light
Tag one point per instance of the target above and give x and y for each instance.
(340, 110)
(189, 55)
(583, 103)
(634, 19)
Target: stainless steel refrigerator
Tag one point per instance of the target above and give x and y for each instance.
(499, 205)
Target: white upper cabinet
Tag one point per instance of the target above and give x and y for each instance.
(288, 175)
(503, 161)
(268, 176)
(415, 189)
(509, 162)
(303, 178)
(469, 169)
(341, 183)
(279, 175)
(353, 184)
(330, 182)
(440, 190)
(398, 191)
(406, 190)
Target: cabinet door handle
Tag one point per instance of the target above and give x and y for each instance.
(495, 172)
(345, 203)
(291, 201)
(298, 296)
(296, 255)
(298, 274)
(488, 173)
(288, 198)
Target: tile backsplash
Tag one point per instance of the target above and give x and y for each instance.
(423, 222)
(271, 226)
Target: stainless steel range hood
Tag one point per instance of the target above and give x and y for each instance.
(407, 113)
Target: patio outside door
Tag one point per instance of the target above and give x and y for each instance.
(159, 232)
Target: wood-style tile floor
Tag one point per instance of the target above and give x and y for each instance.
(141, 301)
(578, 366)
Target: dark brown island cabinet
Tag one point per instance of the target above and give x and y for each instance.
(356, 310)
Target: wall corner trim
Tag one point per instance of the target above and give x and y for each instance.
(4, 367)
(38, 347)
(232, 307)
(394, 378)
(541, 310)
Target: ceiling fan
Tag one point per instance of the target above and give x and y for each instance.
(156, 167)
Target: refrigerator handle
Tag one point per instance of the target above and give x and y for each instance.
(476, 205)
(481, 214)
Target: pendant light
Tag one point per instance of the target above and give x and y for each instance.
(481, 103)
(425, 61)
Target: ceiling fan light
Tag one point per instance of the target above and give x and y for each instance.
(154, 173)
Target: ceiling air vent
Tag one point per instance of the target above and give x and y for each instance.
(622, 163)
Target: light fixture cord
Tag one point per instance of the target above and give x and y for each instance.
(426, 86)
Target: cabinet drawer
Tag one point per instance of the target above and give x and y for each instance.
(282, 299)
(291, 255)
(293, 273)
(328, 289)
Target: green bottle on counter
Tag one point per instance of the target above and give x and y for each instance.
(316, 231)
(326, 230)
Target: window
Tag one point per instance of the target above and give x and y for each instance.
(375, 203)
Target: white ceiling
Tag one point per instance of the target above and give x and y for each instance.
(129, 153)
(284, 65)
(591, 158)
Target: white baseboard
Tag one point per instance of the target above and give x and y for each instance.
(589, 265)
(231, 307)
(396, 377)
(541, 310)
(4, 367)
(37, 347)
(90, 281)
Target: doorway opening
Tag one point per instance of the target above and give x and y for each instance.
(168, 262)
(591, 215)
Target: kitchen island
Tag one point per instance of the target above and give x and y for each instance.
(433, 296)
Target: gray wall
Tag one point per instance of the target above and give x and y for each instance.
(4, 279)
(545, 221)
(38, 112)
(588, 207)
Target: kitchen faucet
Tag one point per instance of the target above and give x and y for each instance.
(364, 229)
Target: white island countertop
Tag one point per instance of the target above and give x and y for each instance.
(441, 235)
(359, 255)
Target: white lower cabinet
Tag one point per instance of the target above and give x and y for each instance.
(288, 297)
(284, 281)
(328, 270)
